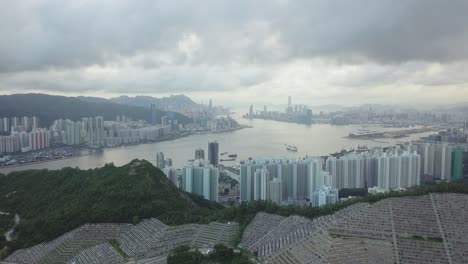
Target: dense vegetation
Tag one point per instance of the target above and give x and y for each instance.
(51, 203)
(220, 254)
(355, 192)
(6, 222)
(49, 108)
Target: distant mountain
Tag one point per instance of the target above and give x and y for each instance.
(90, 99)
(49, 108)
(173, 102)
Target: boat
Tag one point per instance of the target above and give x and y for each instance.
(232, 155)
(291, 148)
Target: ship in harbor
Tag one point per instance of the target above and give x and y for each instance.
(291, 148)
(232, 159)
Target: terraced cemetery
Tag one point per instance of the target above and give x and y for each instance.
(149, 240)
(422, 229)
(414, 229)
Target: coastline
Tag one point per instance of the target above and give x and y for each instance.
(43, 161)
(90, 150)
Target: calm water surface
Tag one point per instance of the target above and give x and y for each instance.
(265, 139)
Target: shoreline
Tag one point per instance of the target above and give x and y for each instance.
(42, 161)
(90, 150)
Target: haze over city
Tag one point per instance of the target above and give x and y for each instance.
(237, 132)
(319, 52)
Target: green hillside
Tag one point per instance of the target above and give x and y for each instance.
(51, 203)
(49, 108)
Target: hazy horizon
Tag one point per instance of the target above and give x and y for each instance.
(319, 52)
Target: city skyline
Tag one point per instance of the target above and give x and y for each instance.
(386, 52)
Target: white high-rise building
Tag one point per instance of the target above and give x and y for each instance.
(436, 158)
(399, 170)
(72, 133)
(323, 196)
(347, 171)
(276, 191)
(171, 174)
(6, 124)
(39, 139)
(94, 127)
(26, 123)
(201, 179)
(14, 123)
(390, 170)
(298, 178)
(34, 122)
(9, 144)
(261, 184)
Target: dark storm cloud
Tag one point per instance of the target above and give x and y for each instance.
(36, 35)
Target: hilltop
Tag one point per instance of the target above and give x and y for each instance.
(51, 203)
(173, 101)
(50, 107)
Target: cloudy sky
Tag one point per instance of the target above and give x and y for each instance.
(319, 52)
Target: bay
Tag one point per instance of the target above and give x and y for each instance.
(266, 139)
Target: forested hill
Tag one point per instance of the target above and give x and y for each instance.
(53, 202)
(49, 108)
(172, 101)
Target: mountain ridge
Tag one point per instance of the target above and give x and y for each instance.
(52, 107)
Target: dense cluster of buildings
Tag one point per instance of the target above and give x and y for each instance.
(389, 170)
(293, 113)
(441, 161)
(94, 131)
(22, 135)
(318, 179)
(281, 179)
(19, 124)
(201, 178)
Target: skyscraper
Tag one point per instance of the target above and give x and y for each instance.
(72, 133)
(164, 120)
(261, 184)
(323, 196)
(199, 154)
(153, 114)
(398, 170)
(6, 124)
(213, 153)
(15, 123)
(39, 139)
(26, 123)
(299, 178)
(276, 191)
(201, 179)
(171, 174)
(34, 122)
(160, 160)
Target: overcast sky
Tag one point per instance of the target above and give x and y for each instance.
(319, 52)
